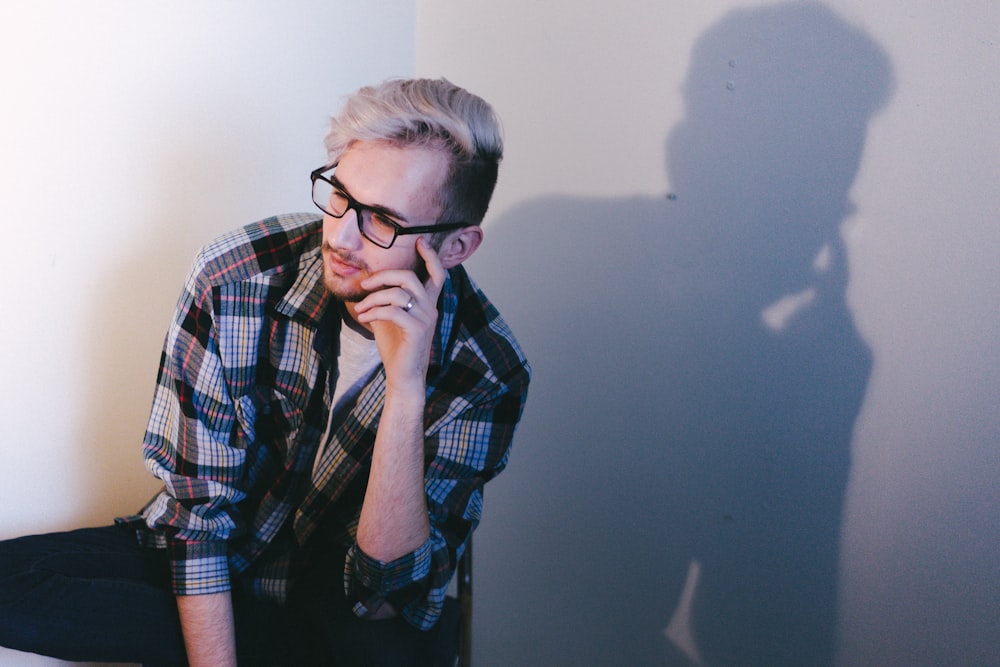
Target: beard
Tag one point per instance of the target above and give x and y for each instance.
(349, 290)
(341, 288)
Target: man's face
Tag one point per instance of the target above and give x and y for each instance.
(405, 181)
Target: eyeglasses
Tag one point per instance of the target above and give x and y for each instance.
(374, 222)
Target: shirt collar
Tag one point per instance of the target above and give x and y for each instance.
(307, 298)
(447, 310)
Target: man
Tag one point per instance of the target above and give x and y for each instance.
(333, 394)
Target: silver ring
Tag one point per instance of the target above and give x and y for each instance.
(409, 305)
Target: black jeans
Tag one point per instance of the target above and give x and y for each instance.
(95, 594)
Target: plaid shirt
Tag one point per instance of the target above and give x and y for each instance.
(243, 398)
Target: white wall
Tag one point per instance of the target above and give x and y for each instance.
(921, 564)
(691, 483)
(617, 292)
(131, 134)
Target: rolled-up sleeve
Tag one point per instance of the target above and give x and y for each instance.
(470, 435)
(192, 444)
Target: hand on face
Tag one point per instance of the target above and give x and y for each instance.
(402, 313)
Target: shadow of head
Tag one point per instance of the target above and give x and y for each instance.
(777, 102)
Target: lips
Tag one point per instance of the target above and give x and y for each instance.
(341, 265)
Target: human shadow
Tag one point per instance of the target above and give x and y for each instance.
(678, 481)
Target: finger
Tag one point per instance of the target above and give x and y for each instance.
(394, 278)
(414, 319)
(436, 273)
(397, 297)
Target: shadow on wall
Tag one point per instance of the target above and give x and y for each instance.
(678, 481)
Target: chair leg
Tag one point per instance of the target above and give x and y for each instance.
(465, 606)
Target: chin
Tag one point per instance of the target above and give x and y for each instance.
(340, 290)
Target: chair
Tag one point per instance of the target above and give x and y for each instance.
(452, 645)
(465, 607)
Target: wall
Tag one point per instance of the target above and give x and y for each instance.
(662, 475)
(133, 133)
(751, 250)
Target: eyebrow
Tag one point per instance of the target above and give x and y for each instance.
(378, 209)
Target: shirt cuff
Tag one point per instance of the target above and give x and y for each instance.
(383, 577)
(198, 568)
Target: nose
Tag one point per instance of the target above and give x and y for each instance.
(343, 232)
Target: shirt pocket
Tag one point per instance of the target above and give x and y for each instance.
(269, 419)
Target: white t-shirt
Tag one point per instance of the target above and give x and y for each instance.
(356, 363)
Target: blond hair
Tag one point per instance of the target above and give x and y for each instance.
(431, 113)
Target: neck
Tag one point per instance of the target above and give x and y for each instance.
(349, 311)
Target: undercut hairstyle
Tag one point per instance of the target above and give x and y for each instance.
(429, 113)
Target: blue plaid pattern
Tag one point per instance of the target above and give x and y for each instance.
(242, 399)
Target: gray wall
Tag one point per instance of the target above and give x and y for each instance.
(762, 430)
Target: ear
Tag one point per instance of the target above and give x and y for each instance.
(459, 245)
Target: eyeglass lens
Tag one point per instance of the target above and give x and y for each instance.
(373, 224)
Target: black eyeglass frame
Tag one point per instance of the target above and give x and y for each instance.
(359, 210)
